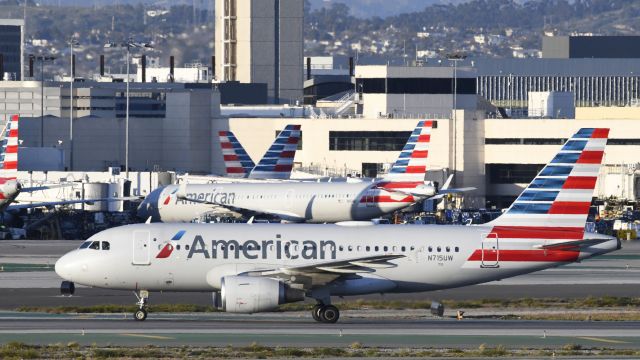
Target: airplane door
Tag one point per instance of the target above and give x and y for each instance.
(291, 194)
(141, 248)
(490, 251)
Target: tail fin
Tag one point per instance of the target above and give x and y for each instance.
(277, 163)
(236, 160)
(9, 152)
(556, 203)
(412, 162)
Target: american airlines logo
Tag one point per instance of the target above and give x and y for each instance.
(264, 249)
(222, 198)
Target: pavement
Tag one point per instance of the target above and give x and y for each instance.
(299, 330)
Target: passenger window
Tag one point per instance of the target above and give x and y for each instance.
(359, 248)
(430, 249)
(448, 249)
(394, 248)
(106, 245)
(439, 249)
(377, 248)
(340, 248)
(403, 249)
(386, 248)
(186, 247)
(368, 248)
(412, 248)
(85, 245)
(177, 247)
(95, 245)
(350, 248)
(457, 249)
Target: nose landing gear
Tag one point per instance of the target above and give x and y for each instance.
(325, 313)
(141, 313)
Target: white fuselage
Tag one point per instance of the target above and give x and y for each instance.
(434, 257)
(296, 202)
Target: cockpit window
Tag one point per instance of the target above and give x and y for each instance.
(95, 245)
(106, 245)
(85, 245)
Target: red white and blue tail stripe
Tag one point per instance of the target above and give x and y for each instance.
(556, 203)
(9, 152)
(236, 160)
(411, 165)
(277, 163)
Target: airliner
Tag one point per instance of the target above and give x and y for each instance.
(276, 163)
(312, 202)
(253, 268)
(10, 187)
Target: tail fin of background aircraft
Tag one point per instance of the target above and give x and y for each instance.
(277, 163)
(556, 203)
(9, 152)
(411, 165)
(236, 160)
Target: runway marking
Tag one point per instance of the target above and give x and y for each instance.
(603, 340)
(149, 336)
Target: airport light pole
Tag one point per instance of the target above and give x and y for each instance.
(128, 45)
(42, 59)
(72, 74)
(455, 57)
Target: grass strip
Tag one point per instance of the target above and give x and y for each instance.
(19, 350)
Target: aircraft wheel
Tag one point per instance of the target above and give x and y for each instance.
(315, 312)
(140, 315)
(330, 314)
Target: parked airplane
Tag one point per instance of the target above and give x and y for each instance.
(10, 187)
(304, 201)
(276, 163)
(256, 267)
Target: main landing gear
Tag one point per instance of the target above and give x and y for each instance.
(325, 313)
(141, 313)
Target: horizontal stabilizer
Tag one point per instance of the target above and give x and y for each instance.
(573, 244)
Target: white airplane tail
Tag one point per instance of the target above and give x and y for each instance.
(556, 203)
(277, 163)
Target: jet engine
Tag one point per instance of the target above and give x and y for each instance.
(246, 294)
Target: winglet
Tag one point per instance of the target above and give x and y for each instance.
(447, 183)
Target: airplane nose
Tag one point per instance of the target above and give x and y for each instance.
(65, 267)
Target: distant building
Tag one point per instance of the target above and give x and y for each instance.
(403, 91)
(261, 41)
(601, 47)
(12, 49)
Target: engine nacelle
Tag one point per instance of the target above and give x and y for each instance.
(246, 294)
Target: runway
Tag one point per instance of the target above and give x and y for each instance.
(299, 330)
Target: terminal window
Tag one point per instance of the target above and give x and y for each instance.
(368, 140)
(513, 173)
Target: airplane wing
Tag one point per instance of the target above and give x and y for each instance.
(44, 187)
(32, 205)
(323, 273)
